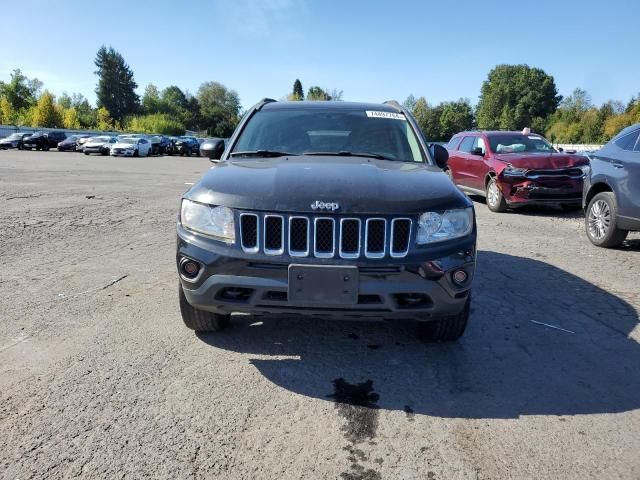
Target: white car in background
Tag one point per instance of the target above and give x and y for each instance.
(131, 147)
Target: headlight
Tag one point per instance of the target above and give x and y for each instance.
(586, 169)
(437, 227)
(511, 171)
(215, 222)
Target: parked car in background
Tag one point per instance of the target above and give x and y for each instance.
(211, 147)
(161, 145)
(44, 140)
(100, 144)
(81, 142)
(15, 140)
(187, 146)
(612, 189)
(70, 144)
(131, 147)
(512, 169)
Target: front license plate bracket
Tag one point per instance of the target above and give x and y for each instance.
(323, 285)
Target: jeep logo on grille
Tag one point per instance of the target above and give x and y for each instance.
(331, 206)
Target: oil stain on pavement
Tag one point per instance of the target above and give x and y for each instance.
(357, 404)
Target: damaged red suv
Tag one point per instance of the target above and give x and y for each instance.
(512, 169)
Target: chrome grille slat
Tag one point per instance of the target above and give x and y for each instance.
(396, 225)
(249, 244)
(325, 237)
(347, 253)
(269, 225)
(371, 236)
(295, 252)
(324, 253)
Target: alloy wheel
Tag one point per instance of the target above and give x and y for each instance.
(599, 219)
(493, 194)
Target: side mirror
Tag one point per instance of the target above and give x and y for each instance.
(216, 151)
(478, 151)
(439, 154)
(560, 149)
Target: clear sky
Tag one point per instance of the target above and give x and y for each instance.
(372, 50)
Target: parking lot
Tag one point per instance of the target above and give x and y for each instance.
(100, 378)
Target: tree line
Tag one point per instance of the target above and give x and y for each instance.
(214, 108)
(517, 96)
(512, 97)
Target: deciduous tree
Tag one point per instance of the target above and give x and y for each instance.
(219, 108)
(517, 96)
(45, 113)
(104, 120)
(70, 118)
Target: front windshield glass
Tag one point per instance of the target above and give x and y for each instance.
(517, 143)
(15, 136)
(129, 141)
(100, 139)
(300, 131)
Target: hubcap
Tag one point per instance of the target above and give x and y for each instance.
(493, 193)
(599, 219)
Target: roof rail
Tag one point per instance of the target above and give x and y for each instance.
(263, 102)
(395, 104)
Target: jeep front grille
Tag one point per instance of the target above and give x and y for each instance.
(325, 237)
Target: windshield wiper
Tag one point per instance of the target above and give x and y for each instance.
(262, 153)
(346, 153)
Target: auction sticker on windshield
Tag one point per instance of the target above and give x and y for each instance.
(377, 114)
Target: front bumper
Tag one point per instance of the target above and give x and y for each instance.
(233, 281)
(100, 150)
(121, 153)
(548, 190)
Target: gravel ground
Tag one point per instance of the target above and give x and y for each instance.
(100, 379)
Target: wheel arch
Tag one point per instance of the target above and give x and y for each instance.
(596, 189)
(491, 174)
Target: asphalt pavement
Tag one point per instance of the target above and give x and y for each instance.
(99, 378)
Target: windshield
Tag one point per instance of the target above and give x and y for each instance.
(300, 131)
(15, 136)
(516, 143)
(129, 141)
(100, 139)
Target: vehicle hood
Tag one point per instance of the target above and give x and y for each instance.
(358, 185)
(9, 140)
(537, 161)
(124, 146)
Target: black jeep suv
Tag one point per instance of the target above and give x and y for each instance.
(329, 209)
(44, 140)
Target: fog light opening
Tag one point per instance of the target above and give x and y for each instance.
(459, 277)
(189, 268)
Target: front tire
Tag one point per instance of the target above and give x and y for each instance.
(449, 328)
(495, 199)
(199, 320)
(601, 221)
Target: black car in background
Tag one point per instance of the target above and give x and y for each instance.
(611, 195)
(70, 144)
(44, 140)
(15, 140)
(187, 146)
(161, 145)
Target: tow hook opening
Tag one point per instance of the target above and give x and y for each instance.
(235, 294)
(413, 300)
